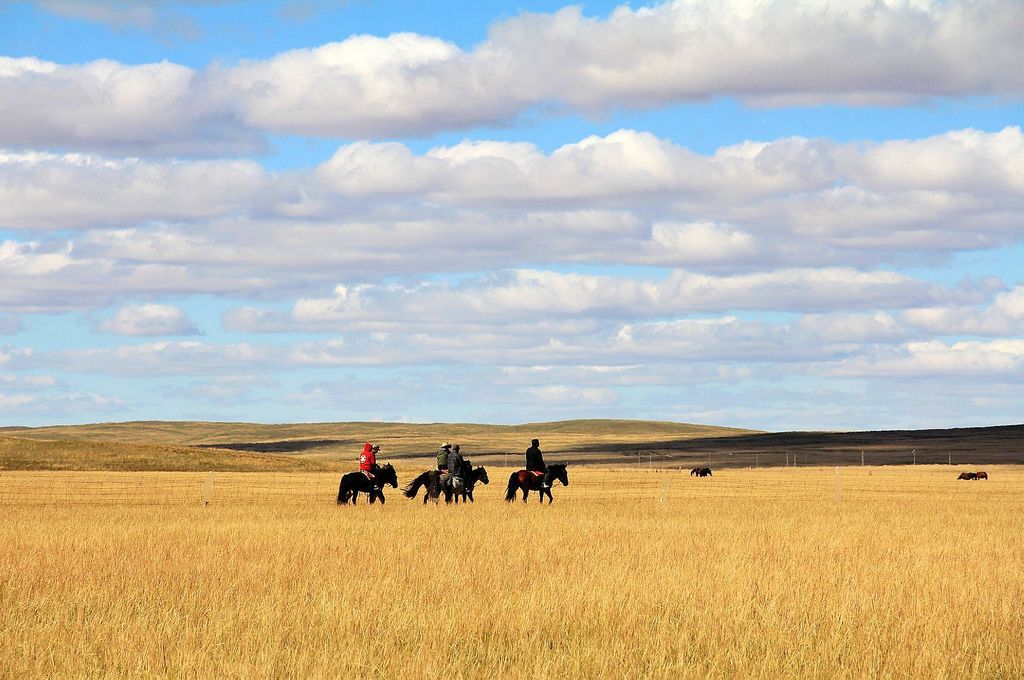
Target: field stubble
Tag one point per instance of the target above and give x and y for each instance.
(753, 573)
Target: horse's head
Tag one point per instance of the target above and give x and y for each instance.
(559, 472)
(481, 475)
(389, 476)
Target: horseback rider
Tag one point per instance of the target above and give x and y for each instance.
(440, 476)
(455, 462)
(368, 460)
(535, 463)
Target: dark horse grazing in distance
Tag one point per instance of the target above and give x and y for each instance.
(354, 482)
(700, 472)
(971, 475)
(528, 481)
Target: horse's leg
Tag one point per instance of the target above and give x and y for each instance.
(526, 492)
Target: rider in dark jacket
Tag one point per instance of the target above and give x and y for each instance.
(535, 462)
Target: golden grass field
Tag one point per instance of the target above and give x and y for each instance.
(751, 573)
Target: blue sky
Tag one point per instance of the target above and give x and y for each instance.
(777, 215)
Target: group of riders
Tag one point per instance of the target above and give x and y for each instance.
(452, 465)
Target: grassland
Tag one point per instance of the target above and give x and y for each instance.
(199, 446)
(751, 573)
(18, 453)
(340, 442)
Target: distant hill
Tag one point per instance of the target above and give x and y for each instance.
(160, 445)
(38, 454)
(340, 442)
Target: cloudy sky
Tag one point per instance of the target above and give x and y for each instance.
(787, 214)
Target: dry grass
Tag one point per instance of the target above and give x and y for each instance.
(30, 454)
(341, 442)
(752, 573)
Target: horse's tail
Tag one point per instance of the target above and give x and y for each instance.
(414, 486)
(342, 492)
(513, 486)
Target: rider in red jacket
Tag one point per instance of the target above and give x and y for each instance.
(368, 459)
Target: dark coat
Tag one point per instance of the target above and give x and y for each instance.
(535, 460)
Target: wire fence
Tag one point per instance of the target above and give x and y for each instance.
(645, 483)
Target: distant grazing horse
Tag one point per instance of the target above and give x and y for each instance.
(530, 481)
(981, 475)
(354, 482)
(700, 472)
(970, 475)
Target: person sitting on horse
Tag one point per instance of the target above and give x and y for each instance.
(368, 460)
(440, 476)
(535, 463)
(443, 454)
(455, 462)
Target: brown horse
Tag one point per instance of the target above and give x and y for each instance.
(528, 481)
(981, 475)
(969, 475)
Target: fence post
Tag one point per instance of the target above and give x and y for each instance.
(950, 458)
(208, 488)
(665, 489)
(862, 457)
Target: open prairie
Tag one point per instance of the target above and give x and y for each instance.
(783, 572)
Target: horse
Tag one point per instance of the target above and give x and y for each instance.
(970, 475)
(453, 487)
(463, 484)
(700, 472)
(529, 481)
(354, 482)
(981, 475)
(478, 474)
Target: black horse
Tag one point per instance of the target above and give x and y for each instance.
(452, 487)
(700, 472)
(476, 475)
(354, 482)
(528, 481)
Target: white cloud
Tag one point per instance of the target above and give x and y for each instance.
(51, 191)
(688, 50)
(157, 108)
(9, 325)
(1005, 316)
(58, 406)
(571, 395)
(767, 53)
(1001, 359)
(148, 319)
(27, 382)
(525, 297)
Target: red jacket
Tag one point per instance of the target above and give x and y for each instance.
(366, 459)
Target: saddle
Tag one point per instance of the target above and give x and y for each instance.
(536, 473)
